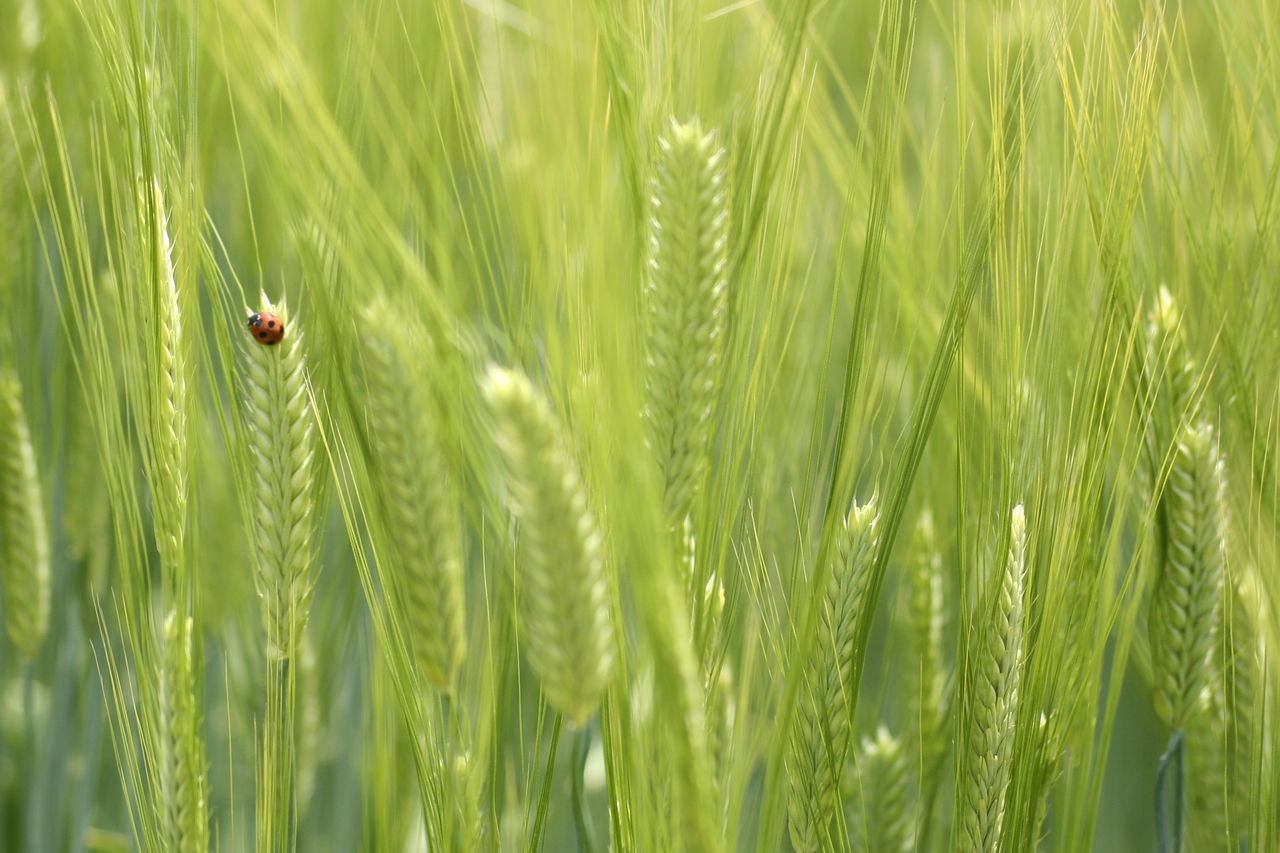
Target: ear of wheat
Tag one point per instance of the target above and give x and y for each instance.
(823, 731)
(1186, 601)
(686, 292)
(994, 692)
(24, 561)
(880, 792)
(280, 451)
(182, 761)
(424, 563)
(565, 615)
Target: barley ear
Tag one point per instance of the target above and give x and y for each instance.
(184, 791)
(926, 615)
(279, 435)
(1186, 601)
(881, 792)
(420, 505)
(167, 462)
(686, 295)
(1222, 742)
(994, 698)
(564, 614)
(822, 731)
(24, 560)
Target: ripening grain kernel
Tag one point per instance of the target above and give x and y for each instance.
(564, 600)
(1186, 601)
(24, 561)
(686, 294)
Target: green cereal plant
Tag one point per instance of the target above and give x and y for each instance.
(994, 696)
(1221, 743)
(686, 295)
(278, 432)
(925, 616)
(280, 451)
(823, 731)
(24, 558)
(182, 766)
(881, 794)
(565, 614)
(184, 800)
(418, 496)
(1186, 601)
(168, 405)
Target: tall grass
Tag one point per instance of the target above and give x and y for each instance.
(1006, 266)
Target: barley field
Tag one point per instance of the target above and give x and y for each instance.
(639, 425)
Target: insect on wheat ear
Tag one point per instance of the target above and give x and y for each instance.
(266, 327)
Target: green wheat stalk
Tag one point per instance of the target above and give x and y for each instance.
(310, 721)
(419, 501)
(994, 692)
(823, 730)
(564, 600)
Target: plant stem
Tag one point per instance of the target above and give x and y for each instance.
(1172, 760)
(581, 817)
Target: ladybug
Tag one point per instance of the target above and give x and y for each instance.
(267, 328)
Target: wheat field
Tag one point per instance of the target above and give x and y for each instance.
(639, 425)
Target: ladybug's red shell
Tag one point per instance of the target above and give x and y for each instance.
(266, 328)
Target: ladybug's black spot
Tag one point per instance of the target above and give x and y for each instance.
(272, 343)
(271, 324)
(262, 335)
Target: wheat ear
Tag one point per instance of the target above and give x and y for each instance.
(822, 733)
(420, 505)
(1222, 742)
(184, 797)
(167, 462)
(686, 292)
(182, 760)
(280, 449)
(926, 616)
(278, 432)
(565, 615)
(881, 790)
(24, 561)
(1187, 598)
(994, 695)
